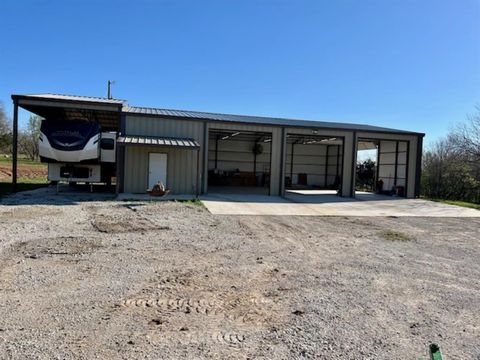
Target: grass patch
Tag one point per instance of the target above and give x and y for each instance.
(196, 202)
(22, 185)
(457, 203)
(394, 235)
(20, 160)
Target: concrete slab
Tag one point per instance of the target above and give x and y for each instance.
(330, 205)
(146, 197)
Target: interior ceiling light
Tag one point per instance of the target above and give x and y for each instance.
(267, 140)
(225, 137)
(235, 134)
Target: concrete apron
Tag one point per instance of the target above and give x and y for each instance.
(329, 205)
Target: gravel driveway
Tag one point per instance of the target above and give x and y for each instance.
(133, 280)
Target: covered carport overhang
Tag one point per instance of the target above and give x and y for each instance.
(106, 112)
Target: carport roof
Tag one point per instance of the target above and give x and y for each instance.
(70, 98)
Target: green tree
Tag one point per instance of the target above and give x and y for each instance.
(365, 178)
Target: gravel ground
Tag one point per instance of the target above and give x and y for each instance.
(133, 280)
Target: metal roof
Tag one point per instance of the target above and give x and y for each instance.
(158, 141)
(60, 97)
(260, 120)
(208, 116)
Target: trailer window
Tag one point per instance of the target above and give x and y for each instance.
(107, 144)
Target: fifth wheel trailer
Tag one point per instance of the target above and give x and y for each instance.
(77, 151)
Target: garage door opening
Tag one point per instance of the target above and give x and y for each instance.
(313, 165)
(366, 167)
(381, 167)
(239, 162)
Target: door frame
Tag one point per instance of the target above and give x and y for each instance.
(148, 166)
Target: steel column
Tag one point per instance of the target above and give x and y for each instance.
(14, 145)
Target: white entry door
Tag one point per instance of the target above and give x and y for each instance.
(157, 169)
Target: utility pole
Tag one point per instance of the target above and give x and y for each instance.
(109, 88)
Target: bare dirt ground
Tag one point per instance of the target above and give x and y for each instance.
(24, 171)
(130, 280)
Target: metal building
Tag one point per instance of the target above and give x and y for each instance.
(199, 152)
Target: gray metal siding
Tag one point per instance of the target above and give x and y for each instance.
(182, 164)
(234, 155)
(311, 159)
(181, 169)
(256, 120)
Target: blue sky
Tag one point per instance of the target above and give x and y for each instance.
(404, 64)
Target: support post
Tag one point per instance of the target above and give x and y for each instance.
(281, 191)
(14, 145)
(396, 165)
(354, 165)
(337, 172)
(326, 167)
(204, 172)
(418, 165)
(120, 158)
(197, 186)
(255, 162)
(216, 151)
(291, 163)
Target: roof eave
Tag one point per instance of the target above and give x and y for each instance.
(312, 126)
(16, 97)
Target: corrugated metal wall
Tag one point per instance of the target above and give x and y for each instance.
(311, 159)
(181, 164)
(234, 154)
(181, 169)
(392, 164)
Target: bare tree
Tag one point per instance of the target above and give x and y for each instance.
(466, 137)
(28, 138)
(5, 131)
(451, 167)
